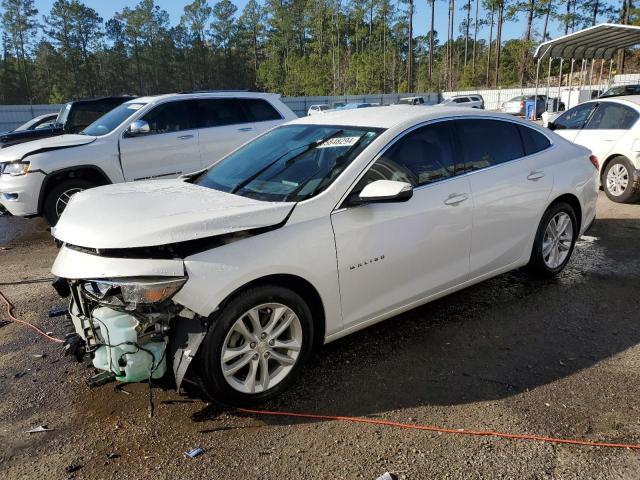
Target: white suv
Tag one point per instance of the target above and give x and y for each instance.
(151, 137)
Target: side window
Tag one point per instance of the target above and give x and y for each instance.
(260, 110)
(461, 100)
(170, 117)
(423, 156)
(612, 116)
(575, 118)
(488, 142)
(217, 112)
(534, 142)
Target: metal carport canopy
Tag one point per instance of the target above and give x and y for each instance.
(598, 42)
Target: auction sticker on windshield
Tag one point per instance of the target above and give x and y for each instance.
(339, 142)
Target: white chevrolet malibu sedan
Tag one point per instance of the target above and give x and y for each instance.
(314, 230)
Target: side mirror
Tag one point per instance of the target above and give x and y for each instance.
(551, 125)
(385, 191)
(137, 128)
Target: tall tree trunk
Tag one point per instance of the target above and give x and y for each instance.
(546, 20)
(410, 52)
(475, 40)
(527, 38)
(499, 40)
(431, 33)
(466, 33)
(596, 7)
(489, 42)
(567, 17)
(626, 7)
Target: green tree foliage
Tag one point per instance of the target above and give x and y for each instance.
(292, 47)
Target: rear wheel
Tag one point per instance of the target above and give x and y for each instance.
(57, 199)
(618, 181)
(256, 346)
(555, 240)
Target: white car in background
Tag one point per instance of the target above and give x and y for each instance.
(150, 137)
(316, 109)
(312, 231)
(469, 101)
(610, 129)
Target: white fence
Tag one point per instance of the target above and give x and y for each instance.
(12, 116)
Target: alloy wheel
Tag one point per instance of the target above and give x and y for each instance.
(557, 240)
(261, 348)
(63, 199)
(617, 179)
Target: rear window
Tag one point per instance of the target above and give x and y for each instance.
(260, 110)
(489, 142)
(533, 141)
(216, 112)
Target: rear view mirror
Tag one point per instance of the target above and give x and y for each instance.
(385, 191)
(138, 127)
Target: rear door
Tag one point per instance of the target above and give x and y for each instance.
(393, 254)
(607, 124)
(262, 113)
(224, 126)
(510, 178)
(169, 149)
(569, 124)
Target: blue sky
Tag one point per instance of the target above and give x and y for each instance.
(106, 9)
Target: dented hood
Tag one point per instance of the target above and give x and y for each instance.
(23, 150)
(160, 212)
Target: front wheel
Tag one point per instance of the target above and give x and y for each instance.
(57, 199)
(256, 346)
(555, 240)
(617, 181)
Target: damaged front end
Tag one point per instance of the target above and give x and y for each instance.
(130, 326)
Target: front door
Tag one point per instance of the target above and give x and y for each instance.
(391, 255)
(607, 124)
(169, 149)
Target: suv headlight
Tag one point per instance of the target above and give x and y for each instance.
(129, 292)
(15, 169)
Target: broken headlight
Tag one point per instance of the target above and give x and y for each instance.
(129, 292)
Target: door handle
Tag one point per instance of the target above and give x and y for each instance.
(185, 137)
(456, 198)
(535, 175)
(245, 129)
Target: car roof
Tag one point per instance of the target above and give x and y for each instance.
(388, 116)
(632, 100)
(212, 94)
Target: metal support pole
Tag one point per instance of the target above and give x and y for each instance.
(535, 95)
(601, 69)
(560, 82)
(573, 61)
(546, 107)
(610, 71)
(582, 78)
(591, 73)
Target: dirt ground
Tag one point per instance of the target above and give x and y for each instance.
(558, 358)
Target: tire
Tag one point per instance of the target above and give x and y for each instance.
(543, 264)
(52, 209)
(236, 387)
(618, 181)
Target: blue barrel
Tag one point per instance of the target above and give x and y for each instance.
(530, 109)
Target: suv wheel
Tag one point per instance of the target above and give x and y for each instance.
(554, 242)
(256, 346)
(57, 199)
(617, 181)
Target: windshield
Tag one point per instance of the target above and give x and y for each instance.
(290, 163)
(110, 120)
(63, 114)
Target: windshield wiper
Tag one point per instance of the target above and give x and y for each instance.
(309, 146)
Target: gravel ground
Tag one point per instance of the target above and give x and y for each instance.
(558, 358)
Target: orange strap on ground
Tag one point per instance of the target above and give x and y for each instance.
(412, 426)
(12, 318)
